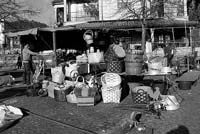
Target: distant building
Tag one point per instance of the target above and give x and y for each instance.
(74, 10)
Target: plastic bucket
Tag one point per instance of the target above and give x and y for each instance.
(185, 85)
(59, 95)
(133, 68)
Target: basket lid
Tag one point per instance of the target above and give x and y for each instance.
(111, 79)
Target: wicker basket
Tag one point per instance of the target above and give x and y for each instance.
(111, 96)
(140, 97)
(111, 81)
(114, 67)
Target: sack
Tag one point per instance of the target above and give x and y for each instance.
(57, 75)
(71, 97)
(119, 51)
(95, 57)
(110, 55)
(8, 115)
(71, 69)
(6, 80)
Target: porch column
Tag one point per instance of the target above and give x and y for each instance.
(65, 10)
(185, 10)
(152, 35)
(54, 45)
(55, 14)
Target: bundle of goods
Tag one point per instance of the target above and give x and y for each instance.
(82, 58)
(50, 86)
(57, 74)
(6, 80)
(95, 57)
(8, 115)
(170, 102)
(155, 65)
(86, 93)
(111, 88)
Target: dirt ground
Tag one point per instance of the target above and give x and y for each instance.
(44, 115)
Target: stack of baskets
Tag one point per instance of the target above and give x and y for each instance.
(111, 88)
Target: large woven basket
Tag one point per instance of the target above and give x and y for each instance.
(111, 96)
(111, 81)
(140, 97)
(114, 67)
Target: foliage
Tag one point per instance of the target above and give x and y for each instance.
(146, 9)
(20, 25)
(10, 10)
(91, 9)
(194, 10)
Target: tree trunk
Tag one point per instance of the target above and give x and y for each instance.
(143, 36)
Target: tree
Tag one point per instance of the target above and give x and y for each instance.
(194, 9)
(12, 10)
(146, 9)
(91, 8)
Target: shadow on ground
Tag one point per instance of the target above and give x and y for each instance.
(180, 130)
(12, 92)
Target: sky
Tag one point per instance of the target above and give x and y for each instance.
(45, 8)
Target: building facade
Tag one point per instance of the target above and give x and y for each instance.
(72, 10)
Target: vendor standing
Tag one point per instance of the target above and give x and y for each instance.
(114, 56)
(27, 63)
(169, 54)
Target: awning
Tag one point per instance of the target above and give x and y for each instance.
(25, 32)
(131, 24)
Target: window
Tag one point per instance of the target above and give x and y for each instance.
(60, 16)
(123, 3)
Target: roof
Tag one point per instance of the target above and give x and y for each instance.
(60, 2)
(25, 32)
(57, 2)
(111, 24)
(128, 24)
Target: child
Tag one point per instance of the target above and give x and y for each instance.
(19, 62)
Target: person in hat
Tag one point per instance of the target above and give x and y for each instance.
(114, 56)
